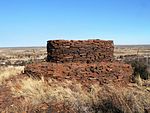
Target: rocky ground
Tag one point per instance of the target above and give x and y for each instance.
(101, 73)
(22, 94)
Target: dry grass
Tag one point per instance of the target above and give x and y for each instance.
(38, 91)
(107, 98)
(103, 99)
(7, 72)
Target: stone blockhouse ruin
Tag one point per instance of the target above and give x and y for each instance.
(87, 61)
(79, 50)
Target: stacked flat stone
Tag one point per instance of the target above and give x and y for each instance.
(79, 50)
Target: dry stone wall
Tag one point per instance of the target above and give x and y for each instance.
(79, 51)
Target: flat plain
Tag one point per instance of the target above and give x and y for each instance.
(26, 54)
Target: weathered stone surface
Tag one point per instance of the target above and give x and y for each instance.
(103, 72)
(79, 51)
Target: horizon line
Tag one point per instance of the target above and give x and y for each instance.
(45, 46)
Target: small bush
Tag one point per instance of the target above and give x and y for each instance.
(141, 69)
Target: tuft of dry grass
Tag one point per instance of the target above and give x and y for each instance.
(10, 71)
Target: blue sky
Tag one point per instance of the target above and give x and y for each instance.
(33, 22)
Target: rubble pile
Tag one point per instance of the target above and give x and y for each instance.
(79, 51)
(103, 72)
